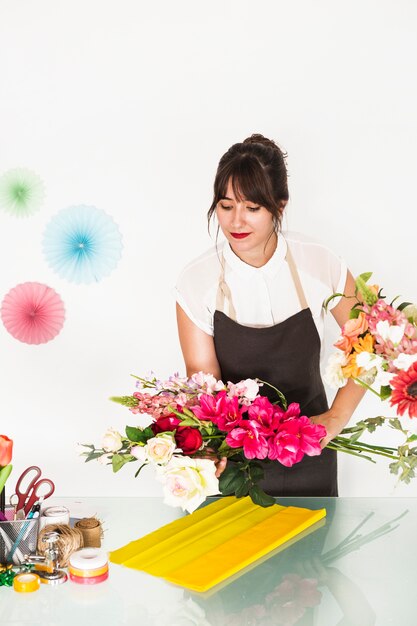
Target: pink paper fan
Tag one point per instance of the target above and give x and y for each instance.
(33, 313)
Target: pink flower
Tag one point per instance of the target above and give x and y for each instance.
(231, 414)
(210, 408)
(251, 436)
(156, 405)
(265, 413)
(294, 439)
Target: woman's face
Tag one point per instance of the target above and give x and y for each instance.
(246, 225)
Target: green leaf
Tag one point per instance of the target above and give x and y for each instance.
(5, 472)
(135, 434)
(189, 413)
(395, 423)
(94, 455)
(118, 461)
(243, 490)
(260, 497)
(231, 479)
(365, 276)
(354, 313)
(385, 392)
(256, 472)
(402, 306)
(188, 421)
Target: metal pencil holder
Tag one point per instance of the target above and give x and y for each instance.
(17, 538)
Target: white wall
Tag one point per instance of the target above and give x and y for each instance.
(128, 106)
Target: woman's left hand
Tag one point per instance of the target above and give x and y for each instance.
(331, 422)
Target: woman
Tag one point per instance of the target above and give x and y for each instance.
(252, 306)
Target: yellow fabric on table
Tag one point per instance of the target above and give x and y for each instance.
(201, 550)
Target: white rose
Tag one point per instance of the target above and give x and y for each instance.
(139, 452)
(187, 482)
(112, 441)
(160, 449)
(333, 375)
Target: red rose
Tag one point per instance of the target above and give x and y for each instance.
(188, 439)
(6, 448)
(164, 424)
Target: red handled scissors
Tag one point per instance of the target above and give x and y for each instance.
(33, 492)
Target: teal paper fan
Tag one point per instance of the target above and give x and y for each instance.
(21, 192)
(82, 244)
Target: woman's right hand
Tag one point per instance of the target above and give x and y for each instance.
(220, 463)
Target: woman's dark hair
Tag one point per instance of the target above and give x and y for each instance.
(258, 173)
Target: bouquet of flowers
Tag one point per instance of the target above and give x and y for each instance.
(378, 347)
(198, 419)
(195, 419)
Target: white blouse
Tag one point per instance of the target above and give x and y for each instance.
(262, 296)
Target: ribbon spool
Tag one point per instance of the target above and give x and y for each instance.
(91, 531)
(26, 583)
(88, 566)
(54, 515)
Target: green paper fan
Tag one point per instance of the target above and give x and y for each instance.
(21, 192)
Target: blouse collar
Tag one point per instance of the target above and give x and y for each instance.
(270, 269)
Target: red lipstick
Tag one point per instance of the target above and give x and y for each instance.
(240, 235)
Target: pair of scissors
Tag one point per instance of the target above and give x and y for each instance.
(27, 497)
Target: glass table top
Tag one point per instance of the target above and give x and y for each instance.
(355, 569)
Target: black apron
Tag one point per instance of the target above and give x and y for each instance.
(287, 355)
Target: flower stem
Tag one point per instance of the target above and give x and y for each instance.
(360, 382)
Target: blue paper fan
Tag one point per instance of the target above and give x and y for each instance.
(82, 244)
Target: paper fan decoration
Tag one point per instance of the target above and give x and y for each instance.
(21, 192)
(33, 313)
(82, 244)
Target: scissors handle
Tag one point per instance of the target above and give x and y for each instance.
(34, 496)
(30, 495)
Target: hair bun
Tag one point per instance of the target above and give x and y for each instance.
(257, 138)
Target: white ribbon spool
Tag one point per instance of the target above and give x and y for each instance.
(54, 515)
(88, 558)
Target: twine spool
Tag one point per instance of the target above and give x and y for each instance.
(70, 540)
(91, 530)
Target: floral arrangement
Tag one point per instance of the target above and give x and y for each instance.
(378, 347)
(195, 419)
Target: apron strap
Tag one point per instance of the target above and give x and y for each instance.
(223, 291)
(296, 279)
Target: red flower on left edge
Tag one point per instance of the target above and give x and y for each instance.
(6, 449)
(404, 391)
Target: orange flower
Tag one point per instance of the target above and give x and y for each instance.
(355, 327)
(351, 369)
(364, 344)
(344, 344)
